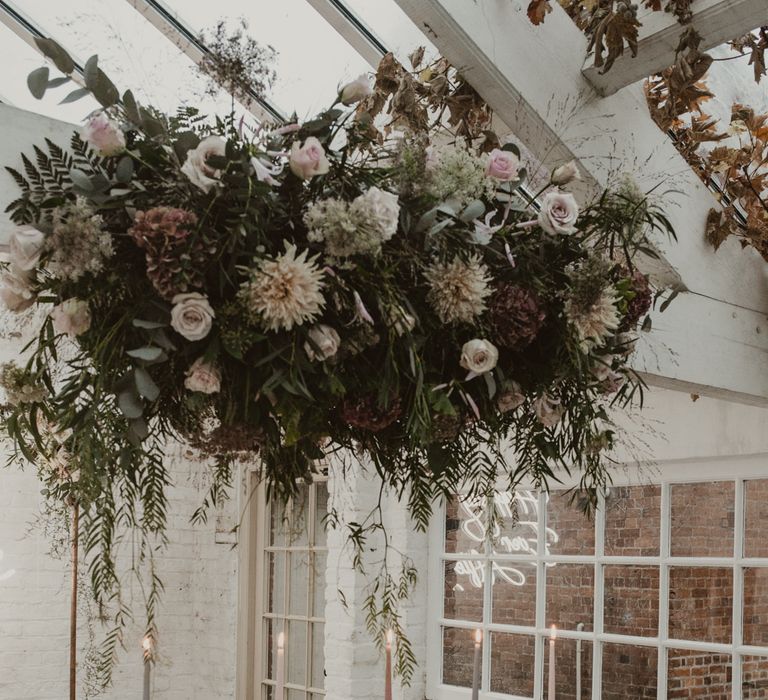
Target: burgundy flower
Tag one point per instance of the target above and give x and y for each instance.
(641, 302)
(366, 413)
(515, 315)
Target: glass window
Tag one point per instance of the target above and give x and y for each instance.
(294, 592)
(313, 59)
(636, 616)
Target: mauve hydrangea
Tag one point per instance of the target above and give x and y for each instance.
(516, 316)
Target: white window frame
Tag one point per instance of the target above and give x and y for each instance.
(253, 547)
(736, 469)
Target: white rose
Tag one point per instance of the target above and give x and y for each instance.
(565, 174)
(72, 317)
(25, 247)
(559, 213)
(15, 289)
(308, 160)
(104, 135)
(196, 166)
(479, 356)
(511, 398)
(192, 316)
(356, 90)
(323, 342)
(203, 377)
(549, 411)
(382, 207)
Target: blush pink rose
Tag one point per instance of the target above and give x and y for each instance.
(309, 159)
(72, 317)
(203, 377)
(502, 165)
(104, 135)
(559, 213)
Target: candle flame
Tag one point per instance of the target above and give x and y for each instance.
(390, 637)
(146, 643)
(553, 632)
(478, 636)
(281, 640)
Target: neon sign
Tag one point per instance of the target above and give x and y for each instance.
(4, 576)
(520, 508)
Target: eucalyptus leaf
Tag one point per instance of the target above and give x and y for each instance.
(139, 429)
(474, 210)
(131, 107)
(37, 82)
(147, 353)
(512, 148)
(141, 323)
(130, 403)
(145, 384)
(81, 180)
(75, 95)
(124, 170)
(61, 59)
(58, 82)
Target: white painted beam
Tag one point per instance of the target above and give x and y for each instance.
(718, 21)
(532, 77)
(359, 36)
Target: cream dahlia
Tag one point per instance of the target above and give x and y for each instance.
(458, 289)
(284, 292)
(595, 324)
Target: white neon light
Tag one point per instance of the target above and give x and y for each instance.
(524, 540)
(4, 576)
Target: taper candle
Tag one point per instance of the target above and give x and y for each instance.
(476, 675)
(146, 644)
(388, 669)
(280, 672)
(551, 687)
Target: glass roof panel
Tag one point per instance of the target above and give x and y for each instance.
(13, 82)
(131, 51)
(392, 26)
(313, 59)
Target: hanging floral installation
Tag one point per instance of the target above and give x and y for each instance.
(375, 281)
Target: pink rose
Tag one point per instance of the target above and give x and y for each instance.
(16, 289)
(548, 410)
(356, 90)
(192, 316)
(72, 317)
(203, 377)
(308, 160)
(104, 135)
(559, 213)
(502, 165)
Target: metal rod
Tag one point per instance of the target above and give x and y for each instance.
(73, 604)
(579, 628)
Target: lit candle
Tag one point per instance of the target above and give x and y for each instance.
(551, 688)
(476, 671)
(146, 644)
(280, 675)
(388, 669)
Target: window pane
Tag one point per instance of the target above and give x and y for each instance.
(458, 656)
(754, 677)
(755, 516)
(512, 658)
(319, 569)
(321, 510)
(701, 604)
(702, 519)
(296, 652)
(517, 522)
(698, 674)
(570, 595)
(309, 71)
(463, 591)
(569, 529)
(131, 51)
(464, 525)
(756, 607)
(299, 533)
(276, 582)
(632, 521)
(632, 600)
(514, 593)
(573, 668)
(300, 572)
(318, 655)
(629, 672)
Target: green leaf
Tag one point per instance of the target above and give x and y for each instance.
(152, 127)
(474, 210)
(131, 107)
(97, 81)
(187, 141)
(37, 82)
(145, 384)
(511, 147)
(148, 353)
(81, 180)
(75, 95)
(124, 170)
(647, 323)
(141, 323)
(139, 429)
(665, 304)
(61, 59)
(130, 403)
(58, 82)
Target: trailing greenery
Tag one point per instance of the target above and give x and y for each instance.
(373, 281)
